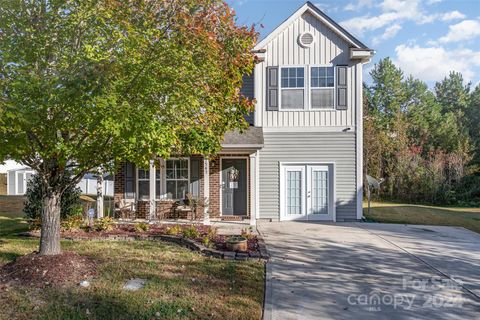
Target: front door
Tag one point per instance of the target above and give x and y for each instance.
(306, 192)
(234, 186)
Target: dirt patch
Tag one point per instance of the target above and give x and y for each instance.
(41, 271)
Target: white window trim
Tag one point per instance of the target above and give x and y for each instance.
(137, 180)
(310, 88)
(307, 88)
(164, 176)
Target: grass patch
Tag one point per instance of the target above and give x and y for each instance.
(419, 214)
(181, 284)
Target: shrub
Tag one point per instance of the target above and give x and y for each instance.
(35, 224)
(103, 224)
(70, 202)
(173, 230)
(207, 241)
(247, 233)
(142, 227)
(73, 222)
(191, 232)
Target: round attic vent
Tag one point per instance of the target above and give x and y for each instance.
(305, 39)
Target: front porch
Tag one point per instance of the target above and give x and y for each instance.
(194, 188)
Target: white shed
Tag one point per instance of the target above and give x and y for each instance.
(17, 180)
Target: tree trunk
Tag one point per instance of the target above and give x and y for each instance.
(50, 233)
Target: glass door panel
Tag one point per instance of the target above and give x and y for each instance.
(294, 192)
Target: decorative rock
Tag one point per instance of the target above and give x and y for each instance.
(216, 253)
(228, 255)
(201, 248)
(254, 255)
(134, 284)
(241, 256)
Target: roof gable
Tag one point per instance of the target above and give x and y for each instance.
(322, 17)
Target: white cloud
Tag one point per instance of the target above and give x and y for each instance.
(465, 30)
(433, 1)
(359, 5)
(326, 7)
(452, 15)
(389, 33)
(393, 11)
(435, 62)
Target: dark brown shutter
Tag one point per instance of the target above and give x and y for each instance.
(272, 88)
(129, 180)
(342, 88)
(195, 177)
(248, 91)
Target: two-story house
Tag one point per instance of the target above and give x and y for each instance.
(301, 158)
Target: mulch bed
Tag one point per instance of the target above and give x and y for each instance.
(125, 229)
(43, 271)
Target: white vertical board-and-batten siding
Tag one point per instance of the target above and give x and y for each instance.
(284, 50)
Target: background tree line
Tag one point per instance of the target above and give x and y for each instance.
(426, 144)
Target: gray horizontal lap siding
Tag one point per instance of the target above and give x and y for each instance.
(308, 147)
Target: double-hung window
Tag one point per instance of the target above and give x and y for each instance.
(177, 178)
(292, 83)
(322, 91)
(144, 183)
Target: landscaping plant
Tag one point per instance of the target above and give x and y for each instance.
(103, 224)
(70, 203)
(74, 222)
(142, 227)
(173, 231)
(190, 232)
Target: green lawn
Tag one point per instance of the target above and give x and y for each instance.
(418, 214)
(181, 284)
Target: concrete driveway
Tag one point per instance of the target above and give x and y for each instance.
(371, 271)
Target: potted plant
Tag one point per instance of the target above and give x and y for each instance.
(237, 243)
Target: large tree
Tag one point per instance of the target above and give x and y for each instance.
(88, 83)
(417, 139)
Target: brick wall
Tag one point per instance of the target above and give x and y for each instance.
(11, 204)
(214, 201)
(119, 183)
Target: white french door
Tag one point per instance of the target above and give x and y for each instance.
(306, 192)
(294, 195)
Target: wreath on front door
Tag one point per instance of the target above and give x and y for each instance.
(234, 175)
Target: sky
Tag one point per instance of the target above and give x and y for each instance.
(425, 38)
